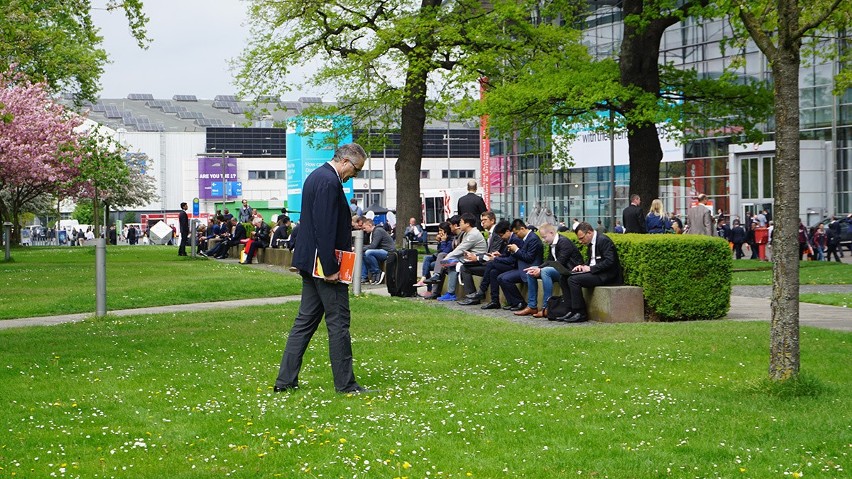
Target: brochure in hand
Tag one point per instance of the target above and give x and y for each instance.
(346, 260)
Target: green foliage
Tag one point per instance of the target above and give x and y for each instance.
(83, 212)
(130, 217)
(683, 277)
(56, 41)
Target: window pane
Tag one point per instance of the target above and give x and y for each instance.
(744, 178)
(768, 177)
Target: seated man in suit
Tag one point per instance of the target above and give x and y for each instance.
(600, 269)
(475, 265)
(233, 234)
(416, 233)
(562, 258)
(528, 254)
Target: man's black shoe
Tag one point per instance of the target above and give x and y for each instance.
(469, 302)
(477, 295)
(281, 389)
(491, 305)
(514, 307)
(435, 278)
(578, 317)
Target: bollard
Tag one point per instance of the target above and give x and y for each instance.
(193, 231)
(359, 251)
(7, 239)
(100, 277)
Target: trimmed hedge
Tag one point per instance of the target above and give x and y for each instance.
(683, 277)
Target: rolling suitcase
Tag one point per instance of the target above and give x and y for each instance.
(401, 272)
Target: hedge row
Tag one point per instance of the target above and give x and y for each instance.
(683, 277)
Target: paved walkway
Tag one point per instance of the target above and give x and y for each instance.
(748, 303)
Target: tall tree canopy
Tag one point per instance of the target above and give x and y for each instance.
(565, 91)
(38, 145)
(56, 42)
(393, 63)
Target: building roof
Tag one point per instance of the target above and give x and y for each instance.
(183, 112)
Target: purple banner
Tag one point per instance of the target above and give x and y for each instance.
(210, 170)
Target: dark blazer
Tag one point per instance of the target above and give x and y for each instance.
(607, 266)
(633, 219)
(531, 252)
(239, 234)
(473, 204)
(183, 221)
(506, 257)
(566, 258)
(325, 224)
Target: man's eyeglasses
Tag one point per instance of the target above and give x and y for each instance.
(357, 170)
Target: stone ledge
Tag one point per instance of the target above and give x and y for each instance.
(615, 304)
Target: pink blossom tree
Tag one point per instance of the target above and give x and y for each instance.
(38, 146)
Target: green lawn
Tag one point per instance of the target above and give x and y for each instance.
(47, 281)
(749, 272)
(189, 396)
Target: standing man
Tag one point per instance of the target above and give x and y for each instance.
(472, 203)
(245, 212)
(632, 217)
(183, 221)
(325, 226)
(602, 268)
(699, 220)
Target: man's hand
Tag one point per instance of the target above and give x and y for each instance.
(469, 256)
(533, 271)
(513, 248)
(582, 268)
(333, 278)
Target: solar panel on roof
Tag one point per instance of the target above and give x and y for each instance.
(99, 107)
(184, 98)
(140, 96)
(310, 99)
(189, 115)
(237, 109)
(267, 99)
(225, 98)
(291, 105)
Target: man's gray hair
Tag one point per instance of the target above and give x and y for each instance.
(353, 151)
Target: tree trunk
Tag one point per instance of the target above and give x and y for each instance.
(410, 150)
(639, 67)
(784, 334)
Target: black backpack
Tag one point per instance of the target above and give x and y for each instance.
(556, 307)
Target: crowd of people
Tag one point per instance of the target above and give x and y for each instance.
(225, 230)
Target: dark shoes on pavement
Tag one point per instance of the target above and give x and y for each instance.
(469, 302)
(514, 307)
(573, 317)
(491, 305)
(477, 295)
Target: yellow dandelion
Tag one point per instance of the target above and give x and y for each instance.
(342, 440)
(469, 474)
(742, 469)
(797, 475)
(261, 454)
(406, 465)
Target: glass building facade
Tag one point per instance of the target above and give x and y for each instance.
(522, 181)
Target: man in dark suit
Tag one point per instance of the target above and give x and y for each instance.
(562, 258)
(235, 232)
(183, 221)
(528, 254)
(472, 203)
(600, 269)
(475, 265)
(325, 226)
(632, 218)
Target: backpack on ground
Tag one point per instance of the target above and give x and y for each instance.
(556, 307)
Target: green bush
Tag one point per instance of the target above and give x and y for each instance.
(683, 277)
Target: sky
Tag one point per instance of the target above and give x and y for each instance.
(193, 41)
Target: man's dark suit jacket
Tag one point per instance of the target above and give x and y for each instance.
(473, 204)
(607, 267)
(566, 258)
(633, 219)
(183, 221)
(531, 252)
(325, 224)
(239, 234)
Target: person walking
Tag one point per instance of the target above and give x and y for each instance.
(325, 226)
(183, 221)
(699, 220)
